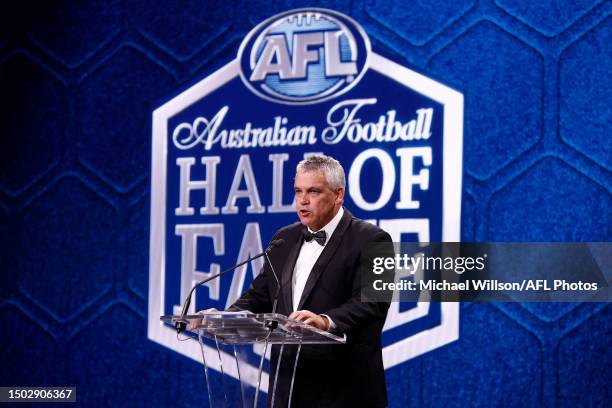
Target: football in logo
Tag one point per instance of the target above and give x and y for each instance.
(304, 56)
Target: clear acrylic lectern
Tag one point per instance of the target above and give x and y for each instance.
(244, 328)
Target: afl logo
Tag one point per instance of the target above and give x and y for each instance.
(304, 56)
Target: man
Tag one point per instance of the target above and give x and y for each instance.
(320, 269)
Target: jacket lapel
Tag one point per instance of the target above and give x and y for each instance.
(326, 256)
(295, 243)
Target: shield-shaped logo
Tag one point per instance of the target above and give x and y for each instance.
(225, 150)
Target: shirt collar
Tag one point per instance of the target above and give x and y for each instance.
(330, 227)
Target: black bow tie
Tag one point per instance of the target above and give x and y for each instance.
(320, 236)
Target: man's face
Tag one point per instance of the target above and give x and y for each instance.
(316, 203)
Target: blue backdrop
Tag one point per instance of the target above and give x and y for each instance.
(80, 79)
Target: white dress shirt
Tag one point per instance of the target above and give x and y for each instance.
(309, 253)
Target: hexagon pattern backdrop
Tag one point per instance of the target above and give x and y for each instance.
(80, 79)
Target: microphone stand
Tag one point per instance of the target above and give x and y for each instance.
(273, 324)
(181, 325)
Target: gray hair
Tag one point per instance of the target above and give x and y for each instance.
(334, 173)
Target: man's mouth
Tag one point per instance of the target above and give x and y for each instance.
(304, 212)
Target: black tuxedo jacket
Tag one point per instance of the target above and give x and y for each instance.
(350, 375)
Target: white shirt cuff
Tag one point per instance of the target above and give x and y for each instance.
(332, 325)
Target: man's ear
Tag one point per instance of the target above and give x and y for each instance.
(340, 193)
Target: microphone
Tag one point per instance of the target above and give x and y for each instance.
(274, 244)
(181, 325)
